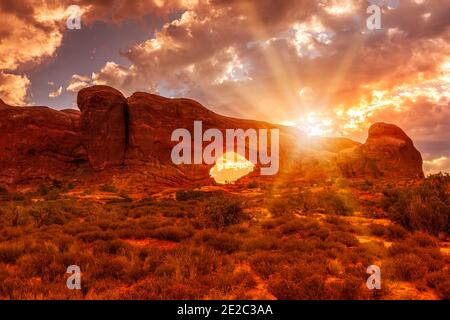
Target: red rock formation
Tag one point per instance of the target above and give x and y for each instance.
(103, 125)
(130, 140)
(151, 121)
(37, 143)
(388, 152)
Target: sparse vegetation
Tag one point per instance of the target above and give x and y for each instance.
(185, 195)
(423, 207)
(222, 211)
(224, 245)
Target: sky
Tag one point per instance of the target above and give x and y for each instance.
(313, 64)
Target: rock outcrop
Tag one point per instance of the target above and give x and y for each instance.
(38, 143)
(103, 125)
(388, 152)
(130, 139)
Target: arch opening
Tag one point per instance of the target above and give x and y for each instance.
(230, 167)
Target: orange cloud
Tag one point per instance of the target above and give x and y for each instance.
(13, 88)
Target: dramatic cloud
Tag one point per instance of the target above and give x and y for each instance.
(78, 82)
(308, 63)
(312, 61)
(13, 88)
(32, 30)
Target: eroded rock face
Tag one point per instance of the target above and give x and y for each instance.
(103, 125)
(38, 143)
(130, 139)
(388, 152)
(152, 119)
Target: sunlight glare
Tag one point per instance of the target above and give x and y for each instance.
(230, 167)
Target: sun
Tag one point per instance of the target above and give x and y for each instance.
(313, 124)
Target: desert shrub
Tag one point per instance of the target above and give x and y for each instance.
(337, 221)
(172, 233)
(162, 289)
(185, 195)
(141, 212)
(261, 243)
(91, 236)
(46, 213)
(300, 282)
(238, 229)
(280, 207)
(293, 226)
(338, 203)
(46, 263)
(377, 230)
(414, 257)
(190, 263)
(310, 288)
(395, 232)
(272, 223)
(350, 288)
(428, 214)
(407, 267)
(230, 284)
(424, 207)
(10, 252)
(220, 241)
(422, 239)
(345, 238)
(303, 201)
(144, 202)
(374, 248)
(267, 263)
(299, 245)
(153, 260)
(328, 201)
(107, 267)
(126, 269)
(440, 281)
(51, 192)
(391, 232)
(315, 230)
(112, 247)
(222, 211)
